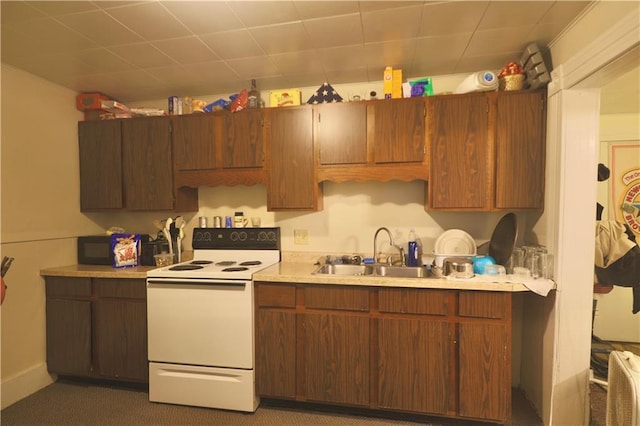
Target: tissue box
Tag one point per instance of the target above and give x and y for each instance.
(288, 97)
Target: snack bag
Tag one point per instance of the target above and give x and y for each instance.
(126, 250)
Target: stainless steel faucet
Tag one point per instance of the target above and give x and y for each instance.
(391, 243)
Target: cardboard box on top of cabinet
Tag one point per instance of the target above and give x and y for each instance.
(287, 97)
(90, 101)
(392, 83)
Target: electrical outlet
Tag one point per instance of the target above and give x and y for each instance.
(301, 236)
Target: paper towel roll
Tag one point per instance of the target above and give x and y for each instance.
(480, 81)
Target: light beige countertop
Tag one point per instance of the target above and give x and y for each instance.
(97, 271)
(302, 273)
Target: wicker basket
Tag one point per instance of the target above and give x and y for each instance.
(511, 82)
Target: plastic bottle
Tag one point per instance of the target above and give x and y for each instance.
(253, 100)
(413, 250)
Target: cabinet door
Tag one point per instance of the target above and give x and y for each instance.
(69, 337)
(100, 152)
(146, 164)
(276, 353)
(291, 183)
(413, 357)
(121, 337)
(194, 142)
(399, 130)
(242, 142)
(341, 133)
(460, 163)
(484, 371)
(336, 358)
(520, 150)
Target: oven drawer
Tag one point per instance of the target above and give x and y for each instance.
(211, 387)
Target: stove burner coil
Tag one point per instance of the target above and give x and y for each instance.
(201, 262)
(251, 263)
(226, 263)
(235, 269)
(187, 267)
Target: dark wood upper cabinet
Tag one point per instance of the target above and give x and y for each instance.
(399, 130)
(291, 183)
(520, 150)
(147, 167)
(242, 142)
(100, 148)
(194, 142)
(460, 163)
(341, 133)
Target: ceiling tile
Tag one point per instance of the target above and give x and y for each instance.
(320, 9)
(57, 8)
(233, 44)
(305, 79)
(290, 64)
(150, 20)
(53, 37)
(398, 54)
(100, 27)
(143, 55)
(499, 41)
(203, 17)
(513, 14)
(102, 60)
(344, 57)
(256, 67)
(564, 11)
(469, 64)
(368, 6)
(186, 50)
(442, 48)
(451, 18)
(336, 31)
(16, 12)
(218, 70)
(258, 13)
(382, 26)
(346, 76)
(282, 38)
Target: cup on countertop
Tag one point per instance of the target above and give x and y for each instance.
(255, 222)
(217, 221)
(239, 221)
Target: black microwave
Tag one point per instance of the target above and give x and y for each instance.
(95, 250)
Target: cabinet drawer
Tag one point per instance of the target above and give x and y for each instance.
(413, 301)
(341, 298)
(121, 288)
(484, 304)
(68, 287)
(275, 295)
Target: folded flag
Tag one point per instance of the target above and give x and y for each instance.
(325, 94)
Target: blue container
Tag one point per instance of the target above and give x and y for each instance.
(479, 262)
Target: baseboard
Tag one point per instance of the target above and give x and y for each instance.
(24, 384)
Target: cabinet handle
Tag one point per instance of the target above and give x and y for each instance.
(319, 118)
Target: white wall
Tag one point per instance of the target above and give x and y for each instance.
(40, 216)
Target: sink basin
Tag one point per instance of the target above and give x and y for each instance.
(375, 270)
(343, 270)
(400, 271)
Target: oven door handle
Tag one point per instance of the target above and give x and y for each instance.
(197, 282)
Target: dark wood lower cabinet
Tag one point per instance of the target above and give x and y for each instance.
(424, 351)
(97, 328)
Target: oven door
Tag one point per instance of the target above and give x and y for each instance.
(196, 322)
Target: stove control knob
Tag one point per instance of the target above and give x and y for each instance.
(271, 236)
(243, 235)
(234, 236)
(262, 236)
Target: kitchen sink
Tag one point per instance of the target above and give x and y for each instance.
(374, 270)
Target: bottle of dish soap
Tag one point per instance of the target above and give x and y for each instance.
(413, 252)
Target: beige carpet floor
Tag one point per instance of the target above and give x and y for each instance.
(79, 403)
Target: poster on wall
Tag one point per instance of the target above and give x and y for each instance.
(625, 184)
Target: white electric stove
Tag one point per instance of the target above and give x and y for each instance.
(200, 320)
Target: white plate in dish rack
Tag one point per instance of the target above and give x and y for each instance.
(455, 241)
